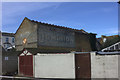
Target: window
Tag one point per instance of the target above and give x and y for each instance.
(112, 48)
(7, 40)
(116, 47)
(13, 40)
(8, 45)
(6, 58)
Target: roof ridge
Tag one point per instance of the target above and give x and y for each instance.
(56, 25)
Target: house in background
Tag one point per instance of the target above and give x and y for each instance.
(52, 38)
(8, 40)
(103, 38)
(114, 47)
(107, 41)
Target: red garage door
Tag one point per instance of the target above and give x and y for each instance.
(26, 65)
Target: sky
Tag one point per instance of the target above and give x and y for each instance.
(94, 17)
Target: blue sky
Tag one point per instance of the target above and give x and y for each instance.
(96, 17)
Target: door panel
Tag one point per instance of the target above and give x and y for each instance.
(83, 65)
(26, 65)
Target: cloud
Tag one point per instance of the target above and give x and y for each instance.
(10, 9)
(14, 12)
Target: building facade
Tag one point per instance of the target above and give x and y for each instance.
(8, 40)
(47, 37)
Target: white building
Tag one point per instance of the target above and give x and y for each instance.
(8, 40)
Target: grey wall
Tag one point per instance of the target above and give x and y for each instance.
(82, 42)
(27, 30)
(9, 62)
(52, 36)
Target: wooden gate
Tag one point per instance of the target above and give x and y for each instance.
(83, 65)
(26, 65)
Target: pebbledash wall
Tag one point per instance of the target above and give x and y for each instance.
(104, 66)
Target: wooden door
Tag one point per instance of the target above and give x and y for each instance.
(26, 65)
(83, 65)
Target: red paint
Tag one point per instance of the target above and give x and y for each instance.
(26, 65)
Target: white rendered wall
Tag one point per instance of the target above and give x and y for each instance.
(104, 66)
(54, 66)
